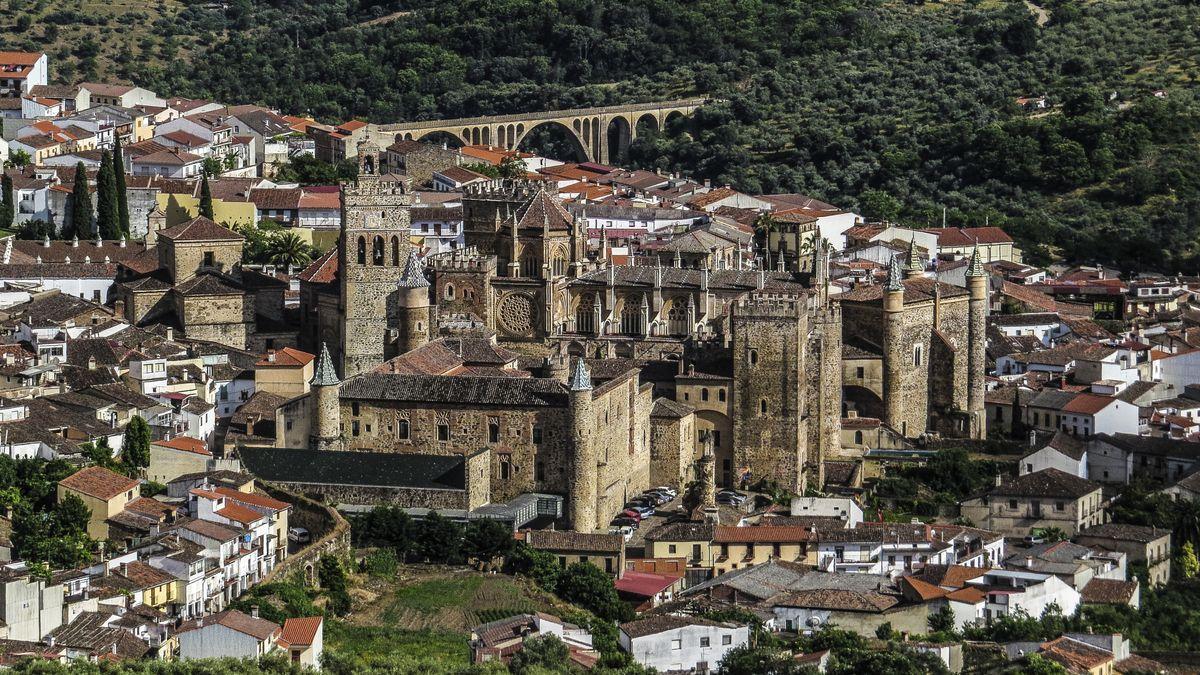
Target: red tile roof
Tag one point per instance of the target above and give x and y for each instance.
(285, 358)
(240, 514)
(301, 631)
(969, 236)
(761, 533)
(186, 444)
(1088, 404)
(252, 498)
(199, 229)
(323, 270)
(645, 584)
(98, 482)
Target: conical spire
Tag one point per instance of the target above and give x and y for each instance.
(414, 272)
(581, 377)
(912, 264)
(893, 281)
(324, 375)
(975, 267)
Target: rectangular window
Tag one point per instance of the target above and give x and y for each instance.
(540, 471)
(209, 259)
(537, 435)
(676, 644)
(443, 432)
(402, 429)
(608, 565)
(505, 469)
(726, 639)
(859, 372)
(354, 428)
(1012, 503)
(671, 548)
(354, 408)
(703, 642)
(695, 551)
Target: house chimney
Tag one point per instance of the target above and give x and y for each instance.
(254, 611)
(270, 356)
(1033, 438)
(119, 308)
(170, 334)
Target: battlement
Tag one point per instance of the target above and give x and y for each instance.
(830, 313)
(468, 259)
(756, 306)
(508, 189)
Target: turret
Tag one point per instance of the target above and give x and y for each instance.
(326, 431)
(706, 472)
(582, 498)
(413, 305)
(894, 361)
(912, 262)
(977, 285)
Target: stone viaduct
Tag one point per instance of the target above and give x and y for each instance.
(601, 134)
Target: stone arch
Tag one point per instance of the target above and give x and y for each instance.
(487, 135)
(377, 254)
(466, 134)
(362, 250)
(512, 137)
(577, 125)
(863, 401)
(436, 136)
(576, 349)
(595, 145)
(619, 136)
(395, 251)
(587, 134)
(576, 141)
(647, 122)
(475, 136)
(670, 117)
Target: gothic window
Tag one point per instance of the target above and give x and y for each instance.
(677, 323)
(530, 267)
(402, 429)
(633, 320)
(704, 394)
(585, 315)
(395, 252)
(377, 251)
(493, 431)
(558, 263)
(753, 357)
(505, 468)
(362, 251)
(916, 355)
(449, 291)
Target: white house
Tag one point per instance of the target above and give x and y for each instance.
(1045, 326)
(173, 163)
(21, 71)
(1089, 414)
(228, 634)
(149, 375)
(1063, 452)
(1010, 591)
(679, 643)
(828, 507)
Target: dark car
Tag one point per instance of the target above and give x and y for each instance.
(624, 521)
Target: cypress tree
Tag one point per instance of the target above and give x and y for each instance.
(206, 208)
(107, 221)
(8, 207)
(81, 206)
(118, 164)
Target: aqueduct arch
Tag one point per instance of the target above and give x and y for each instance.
(590, 127)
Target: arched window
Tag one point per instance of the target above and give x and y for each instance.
(402, 429)
(762, 406)
(493, 432)
(377, 250)
(585, 315)
(704, 394)
(917, 355)
(632, 317)
(858, 438)
(395, 251)
(558, 263)
(677, 323)
(721, 395)
(530, 265)
(362, 251)
(753, 356)
(449, 291)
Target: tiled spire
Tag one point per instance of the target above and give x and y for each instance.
(324, 375)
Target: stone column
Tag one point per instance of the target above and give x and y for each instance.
(977, 284)
(581, 505)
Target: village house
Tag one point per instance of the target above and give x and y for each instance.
(1142, 544)
(104, 492)
(1047, 498)
(678, 643)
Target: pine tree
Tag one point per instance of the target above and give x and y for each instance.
(206, 208)
(8, 207)
(135, 449)
(81, 206)
(107, 221)
(118, 164)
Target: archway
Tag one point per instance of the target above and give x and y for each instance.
(674, 117)
(863, 401)
(646, 124)
(441, 137)
(554, 140)
(618, 139)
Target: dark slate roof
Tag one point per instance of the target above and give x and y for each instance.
(1150, 445)
(1067, 444)
(660, 624)
(522, 392)
(916, 289)
(683, 530)
(282, 465)
(199, 229)
(1045, 483)
(1142, 533)
(208, 284)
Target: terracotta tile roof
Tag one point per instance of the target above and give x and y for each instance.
(645, 584)
(240, 514)
(555, 540)
(235, 620)
(252, 498)
(969, 236)
(952, 576)
(143, 575)
(1109, 591)
(711, 197)
(151, 507)
(1088, 404)
(302, 631)
(211, 530)
(285, 358)
(839, 599)
(186, 444)
(96, 481)
(761, 534)
(1075, 654)
(319, 199)
(19, 58)
(199, 229)
(276, 198)
(923, 589)
(352, 125)
(323, 270)
(968, 594)
(168, 157)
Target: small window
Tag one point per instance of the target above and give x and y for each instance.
(1059, 506)
(676, 644)
(671, 549)
(505, 469)
(1012, 503)
(537, 435)
(916, 355)
(762, 407)
(402, 429)
(721, 395)
(859, 372)
(540, 471)
(753, 356)
(858, 438)
(354, 428)
(704, 394)
(449, 291)
(493, 432)
(703, 642)
(443, 432)
(209, 259)
(726, 639)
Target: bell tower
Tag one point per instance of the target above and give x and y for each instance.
(374, 254)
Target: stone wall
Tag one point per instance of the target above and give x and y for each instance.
(420, 163)
(141, 203)
(226, 319)
(330, 534)
(621, 442)
(671, 450)
(183, 258)
(440, 500)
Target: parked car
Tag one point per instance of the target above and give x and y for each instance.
(299, 535)
(631, 513)
(644, 500)
(666, 489)
(624, 521)
(623, 530)
(659, 497)
(731, 500)
(643, 509)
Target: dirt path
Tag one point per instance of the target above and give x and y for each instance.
(387, 18)
(1043, 16)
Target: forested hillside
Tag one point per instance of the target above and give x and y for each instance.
(896, 108)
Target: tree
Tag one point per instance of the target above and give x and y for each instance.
(439, 540)
(540, 566)
(135, 449)
(8, 207)
(942, 621)
(885, 632)
(81, 206)
(333, 582)
(206, 203)
(19, 159)
(288, 249)
(879, 205)
(588, 586)
(511, 167)
(211, 166)
(761, 660)
(108, 221)
(1036, 664)
(540, 654)
(487, 539)
(1189, 566)
(118, 165)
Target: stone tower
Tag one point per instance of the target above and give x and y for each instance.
(706, 473)
(373, 252)
(893, 361)
(912, 261)
(326, 433)
(769, 390)
(412, 308)
(582, 499)
(977, 285)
